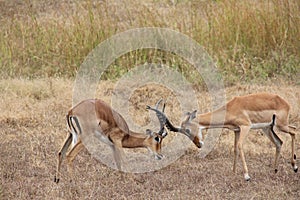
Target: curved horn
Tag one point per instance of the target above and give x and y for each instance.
(157, 104)
(161, 116)
(163, 119)
(171, 127)
(166, 122)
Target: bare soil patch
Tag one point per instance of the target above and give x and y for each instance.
(32, 128)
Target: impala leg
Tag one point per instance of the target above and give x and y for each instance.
(117, 156)
(292, 134)
(116, 147)
(243, 133)
(295, 167)
(72, 154)
(269, 132)
(278, 144)
(236, 152)
(61, 155)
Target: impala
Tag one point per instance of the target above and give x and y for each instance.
(241, 114)
(94, 117)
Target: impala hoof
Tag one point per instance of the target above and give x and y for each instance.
(247, 177)
(56, 180)
(296, 169)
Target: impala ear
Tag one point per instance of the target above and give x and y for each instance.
(149, 132)
(164, 133)
(192, 115)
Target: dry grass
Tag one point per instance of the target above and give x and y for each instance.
(33, 128)
(249, 40)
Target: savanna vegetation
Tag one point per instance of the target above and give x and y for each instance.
(255, 45)
(246, 39)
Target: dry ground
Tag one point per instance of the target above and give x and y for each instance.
(32, 128)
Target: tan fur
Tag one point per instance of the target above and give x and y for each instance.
(95, 116)
(241, 113)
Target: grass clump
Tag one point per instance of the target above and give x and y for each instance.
(255, 39)
(249, 40)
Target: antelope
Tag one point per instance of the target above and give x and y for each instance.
(241, 114)
(95, 117)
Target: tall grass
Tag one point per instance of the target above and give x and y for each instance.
(247, 39)
(256, 38)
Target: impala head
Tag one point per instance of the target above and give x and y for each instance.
(190, 128)
(153, 143)
(154, 139)
(187, 127)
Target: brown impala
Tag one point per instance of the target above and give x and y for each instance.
(95, 117)
(242, 113)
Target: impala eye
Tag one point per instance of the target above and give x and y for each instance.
(157, 139)
(188, 130)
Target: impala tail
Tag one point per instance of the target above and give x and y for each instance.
(273, 120)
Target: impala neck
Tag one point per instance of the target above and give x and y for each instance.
(215, 119)
(134, 140)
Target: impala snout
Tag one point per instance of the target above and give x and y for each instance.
(198, 142)
(201, 144)
(156, 152)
